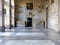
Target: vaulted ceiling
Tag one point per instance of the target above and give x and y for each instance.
(39, 1)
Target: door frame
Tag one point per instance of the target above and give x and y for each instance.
(47, 17)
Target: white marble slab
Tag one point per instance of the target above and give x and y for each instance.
(40, 33)
(6, 34)
(1, 41)
(59, 40)
(30, 42)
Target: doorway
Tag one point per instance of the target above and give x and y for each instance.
(29, 22)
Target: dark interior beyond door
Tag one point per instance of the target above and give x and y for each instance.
(29, 22)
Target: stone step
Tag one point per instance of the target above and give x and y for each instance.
(21, 34)
(29, 42)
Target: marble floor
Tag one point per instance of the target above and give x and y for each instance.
(27, 42)
(29, 36)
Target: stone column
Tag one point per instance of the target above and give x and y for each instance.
(2, 27)
(10, 14)
(15, 17)
(0, 15)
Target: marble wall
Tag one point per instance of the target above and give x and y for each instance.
(53, 15)
(59, 13)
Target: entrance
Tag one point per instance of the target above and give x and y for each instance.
(29, 22)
